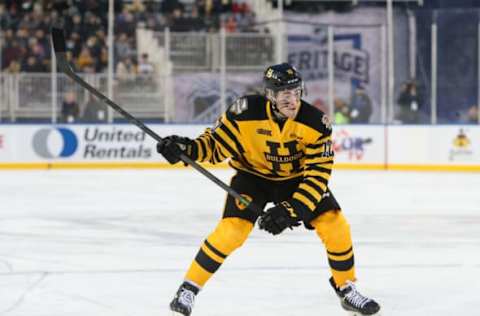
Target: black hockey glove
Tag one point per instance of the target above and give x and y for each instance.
(279, 217)
(173, 146)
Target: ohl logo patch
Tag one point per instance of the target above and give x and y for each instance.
(55, 143)
(242, 206)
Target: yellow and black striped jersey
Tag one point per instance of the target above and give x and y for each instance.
(255, 142)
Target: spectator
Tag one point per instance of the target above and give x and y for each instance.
(146, 72)
(92, 24)
(12, 52)
(125, 72)
(85, 59)
(33, 65)
(230, 24)
(3, 17)
(126, 23)
(360, 107)
(14, 67)
(178, 23)
(341, 112)
(469, 116)
(95, 111)
(145, 67)
(122, 47)
(94, 45)
(168, 6)
(472, 116)
(78, 26)
(196, 22)
(409, 103)
(136, 6)
(70, 108)
(74, 44)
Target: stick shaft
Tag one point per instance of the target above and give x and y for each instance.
(60, 52)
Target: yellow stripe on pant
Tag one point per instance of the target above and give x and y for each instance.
(333, 229)
(229, 235)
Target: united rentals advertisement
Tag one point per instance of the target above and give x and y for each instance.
(362, 146)
(84, 143)
(124, 143)
(90, 143)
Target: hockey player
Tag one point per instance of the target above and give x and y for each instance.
(281, 148)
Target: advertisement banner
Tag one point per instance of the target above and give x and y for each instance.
(356, 57)
(359, 144)
(457, 145)
(5, 144)
(355, 146)
(434, 145)
(127, 143)
(86, 143)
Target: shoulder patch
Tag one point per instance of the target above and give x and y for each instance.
(250, 107)
(239, 106)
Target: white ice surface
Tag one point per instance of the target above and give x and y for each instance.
(117, 243)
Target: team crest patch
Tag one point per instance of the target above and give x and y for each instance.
(326, 121)
(240, 205)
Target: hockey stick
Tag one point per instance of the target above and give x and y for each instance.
(58, 39)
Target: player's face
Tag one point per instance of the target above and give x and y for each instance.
(288, 101)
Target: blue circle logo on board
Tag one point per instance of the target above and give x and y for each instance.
(68, 145)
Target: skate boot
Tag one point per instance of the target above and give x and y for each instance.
(353, 301)
(183, 301)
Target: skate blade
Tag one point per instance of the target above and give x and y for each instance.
(360, 314)
(177, 314)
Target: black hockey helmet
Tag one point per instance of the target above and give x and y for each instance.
(281, 77)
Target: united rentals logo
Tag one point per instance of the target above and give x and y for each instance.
(55, 143)
(114, 143)
(461, 147)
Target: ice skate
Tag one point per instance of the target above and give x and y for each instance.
(354, 302)
(184, 300)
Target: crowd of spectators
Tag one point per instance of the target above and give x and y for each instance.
(25, 28)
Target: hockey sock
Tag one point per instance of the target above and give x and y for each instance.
(334, 230)
(229, 235)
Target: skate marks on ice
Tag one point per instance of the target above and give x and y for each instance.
(119, 245)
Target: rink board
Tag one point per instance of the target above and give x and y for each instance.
(364, 147)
